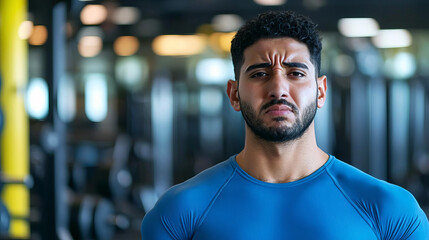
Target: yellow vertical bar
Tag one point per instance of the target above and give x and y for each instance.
(14, 149)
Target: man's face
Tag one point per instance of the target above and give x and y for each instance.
(277, 92)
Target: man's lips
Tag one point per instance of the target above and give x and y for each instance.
(278, 110)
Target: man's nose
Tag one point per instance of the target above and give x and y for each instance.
(278, 86)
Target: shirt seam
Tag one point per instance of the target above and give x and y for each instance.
(346, 196)
(307, 179)
(204, 215)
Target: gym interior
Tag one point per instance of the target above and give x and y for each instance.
(105, 104)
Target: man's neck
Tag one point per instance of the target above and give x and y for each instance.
(281, 162)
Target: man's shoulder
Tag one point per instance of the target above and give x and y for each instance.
(198, 191)
(388, 208)
(181, 208)
(364, 187)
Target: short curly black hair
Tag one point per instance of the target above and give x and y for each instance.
(276, 24)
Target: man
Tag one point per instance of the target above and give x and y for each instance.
(282, 185)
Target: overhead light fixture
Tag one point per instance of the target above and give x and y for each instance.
(179, 45)
(38, 35)
(132, 72)
(96, 97)
(93, 14)
(222, 41)
(126, 45)
(270, 2)
(90, 46)
(392, 38)
(37, 98)
(227, 22)
(125, 15)
(402, 66)
(90, 41)
(214, 71)
(358, 27)
(25, 29)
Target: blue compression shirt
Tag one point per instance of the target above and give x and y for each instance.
(337, 201)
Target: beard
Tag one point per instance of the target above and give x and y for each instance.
(281, 134)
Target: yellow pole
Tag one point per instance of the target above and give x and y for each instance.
(14, 147)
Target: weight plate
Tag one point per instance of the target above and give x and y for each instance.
(104, 225)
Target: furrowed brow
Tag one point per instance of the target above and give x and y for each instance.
(295, 65)
(258, 65)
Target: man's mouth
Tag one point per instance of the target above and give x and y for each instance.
(278, 110)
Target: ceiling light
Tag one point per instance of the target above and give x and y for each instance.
(126, 45)
(25, 29)
(392, 38)
(227, 22)
(178, 45)
(222, 41)
(96, 97)
(402, 66)
(37, 98)
(90, 46)
(93, 14)
(214, 71)
(125, 15)
(358, 27)
(38, 36)
(131, 72)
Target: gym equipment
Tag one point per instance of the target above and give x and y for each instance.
(147, 197)
(108, 181)
(87, 154)
(27, 181)
(77, 177)
(4, 220)
(103, 179)
(109, 177)
(5, 216)
(93, 217)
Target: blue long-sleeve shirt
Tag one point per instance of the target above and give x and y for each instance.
(337, 201)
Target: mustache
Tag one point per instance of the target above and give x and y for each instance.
(279, 101)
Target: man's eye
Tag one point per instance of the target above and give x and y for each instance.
(258, 74)
(297, 74)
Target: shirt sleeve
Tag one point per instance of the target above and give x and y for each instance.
(421, 228)
(152, 228)
(172, 217)
(402, 218)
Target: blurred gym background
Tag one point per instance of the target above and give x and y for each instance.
(107, 103)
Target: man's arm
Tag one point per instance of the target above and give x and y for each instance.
(403, 217)
(153, 228)
(170, 218)
(421, 231)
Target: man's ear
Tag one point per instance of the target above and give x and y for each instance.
(232, 92)
(321, 91)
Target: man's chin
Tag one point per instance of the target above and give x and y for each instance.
(279, 123)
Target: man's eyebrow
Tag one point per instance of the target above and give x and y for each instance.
(258, 65)
(287, 64)
(295, 65)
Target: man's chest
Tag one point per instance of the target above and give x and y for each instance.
(308, 214)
